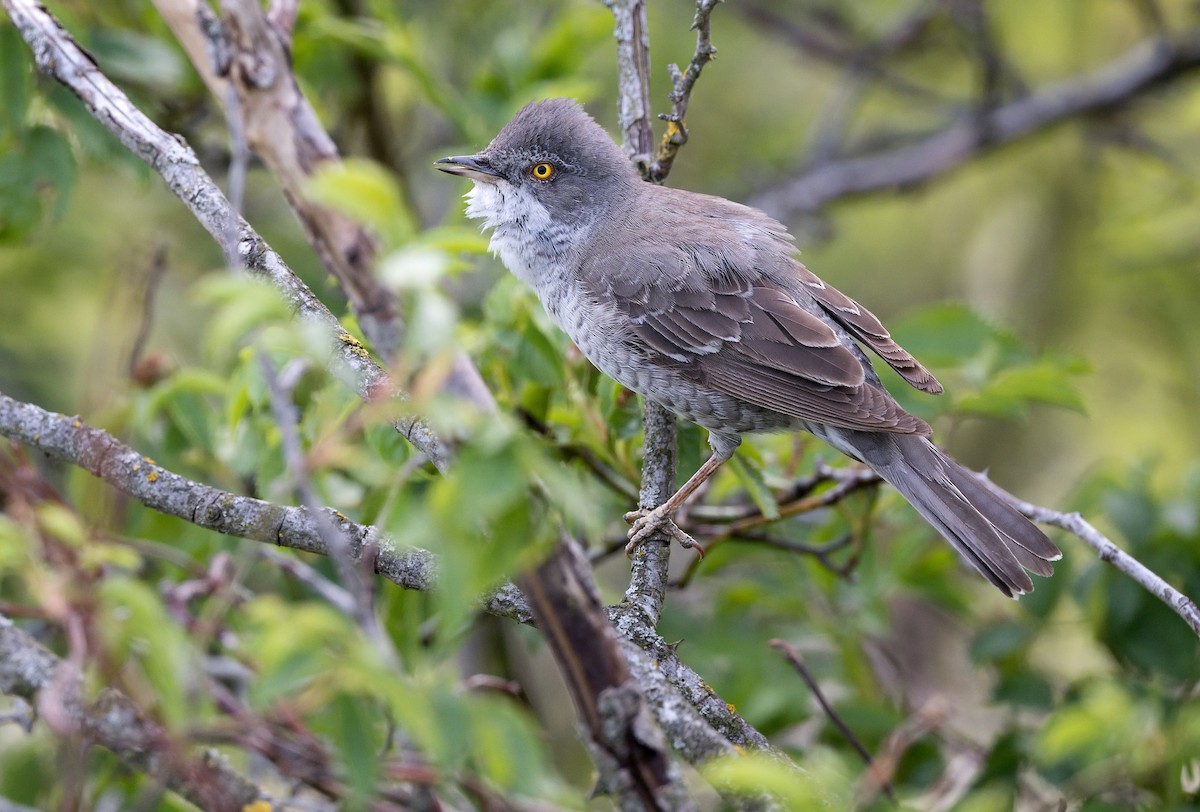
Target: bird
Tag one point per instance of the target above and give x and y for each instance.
(702, 305)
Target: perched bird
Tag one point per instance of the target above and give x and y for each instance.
(701, 305)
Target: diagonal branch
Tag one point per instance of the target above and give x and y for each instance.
(245, 60)
(102, 455)
(1110, 553)
(58, 55)
(1152, 64)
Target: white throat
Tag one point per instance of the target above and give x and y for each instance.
(524, 236)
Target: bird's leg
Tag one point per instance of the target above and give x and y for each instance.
(646, 522)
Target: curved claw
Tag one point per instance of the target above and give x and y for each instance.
(646, 523)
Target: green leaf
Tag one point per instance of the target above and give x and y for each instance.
(1000, 640)
(751, 478)
(357, 745)
(1008, 393)
(364, 191)
(753, 775)
(133, 57)
(241, 305)
(140, 631)
(1024, 689)
(51, 162)
(505, 746)
(949, 334)
(16, 70)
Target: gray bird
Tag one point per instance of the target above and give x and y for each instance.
(700, 304)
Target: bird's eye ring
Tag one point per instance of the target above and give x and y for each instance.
(542, 171)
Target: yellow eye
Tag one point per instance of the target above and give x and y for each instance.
(542, 171)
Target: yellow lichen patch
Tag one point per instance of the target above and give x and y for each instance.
(76, 423)
(258, 806)
(354, 345)
(732, 708)
(152, 476)
(674, 128)
(147, 459)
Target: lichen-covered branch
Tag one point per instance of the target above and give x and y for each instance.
(112, 721)
(99, 453)
(676, 134)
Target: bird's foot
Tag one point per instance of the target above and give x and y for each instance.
(646, 523)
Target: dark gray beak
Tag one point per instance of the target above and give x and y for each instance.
(474, 167)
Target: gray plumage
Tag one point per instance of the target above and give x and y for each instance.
(700, 304)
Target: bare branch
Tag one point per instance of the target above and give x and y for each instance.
(1110, 553)
(1151, 64)
(793, 657)
(113, 721)
(860, 58)
(633, 80)
(677, 135)
(102, 455)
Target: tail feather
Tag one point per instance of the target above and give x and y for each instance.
(988, 531)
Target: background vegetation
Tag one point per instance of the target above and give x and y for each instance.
(1049, 281)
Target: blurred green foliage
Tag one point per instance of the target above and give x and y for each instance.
(1050, 287)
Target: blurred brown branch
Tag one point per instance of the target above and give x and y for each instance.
(58, 55)
(244, 57)
(1152, 64)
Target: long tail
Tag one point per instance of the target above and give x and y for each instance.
(988, 531)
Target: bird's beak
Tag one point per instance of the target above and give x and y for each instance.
(474, 167)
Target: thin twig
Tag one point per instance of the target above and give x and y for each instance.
(882, 768)
(334, 594)
(792, 656)
(158, 268)
(359, 588)
(1110, 553)
(681, 93)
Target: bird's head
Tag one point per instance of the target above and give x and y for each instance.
(552, 165)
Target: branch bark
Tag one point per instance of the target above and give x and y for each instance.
(99, 453)
(676, 134)
(1110, 553)
(114, 722)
